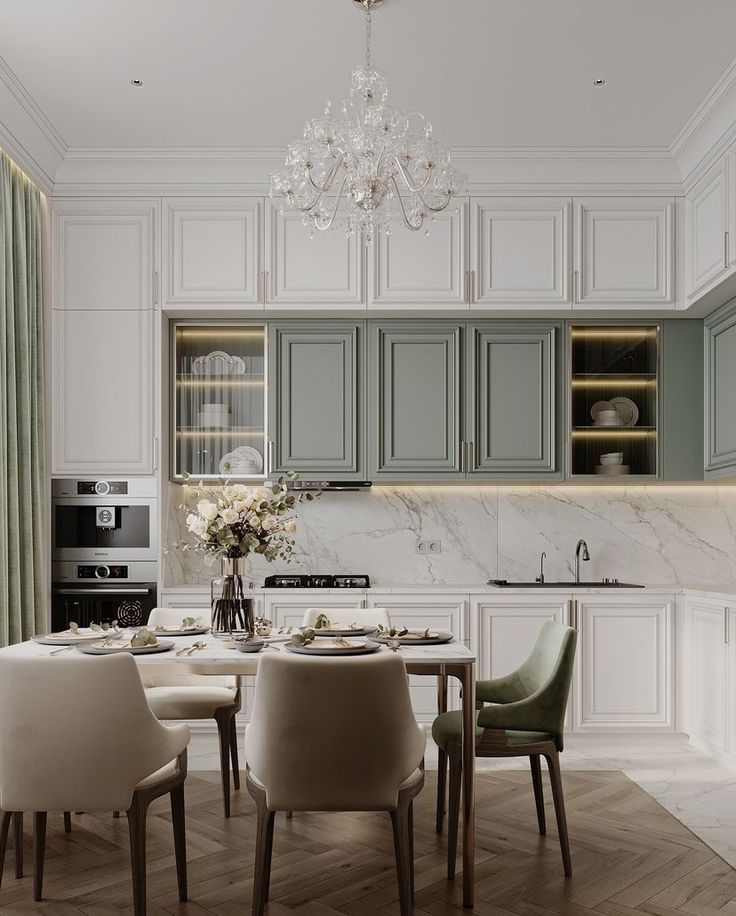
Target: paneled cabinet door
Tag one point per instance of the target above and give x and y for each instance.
(720, 402)
(624, 251)
(439, 612)
(414, 413)
(288, 610)
(511, 395)
(104, 255)
(212, 250)
(316, 411)
(520, 251)
(414, 270)
(624, 675)
(102, 392)
(706, 226)
(325, 270)
(708, 680)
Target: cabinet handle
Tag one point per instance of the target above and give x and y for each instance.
(265, 287)
(461, 457)
(270, 457)
(574, 614)
(472, 287)
(470, 458)
(726, 260)
(155, 287)
(155, 454)
(726, 626)
(466, 289)
(575, 284)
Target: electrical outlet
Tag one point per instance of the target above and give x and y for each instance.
(435, 547)
(422, 546)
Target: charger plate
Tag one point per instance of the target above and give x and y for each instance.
(362, 647)
(163, 645)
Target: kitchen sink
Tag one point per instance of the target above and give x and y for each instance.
(505, 583)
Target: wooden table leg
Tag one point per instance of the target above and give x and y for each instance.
(466, 675)
(441, 755)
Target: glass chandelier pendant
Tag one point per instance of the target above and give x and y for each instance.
(367, 165)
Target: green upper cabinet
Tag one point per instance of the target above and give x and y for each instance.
(511, 399)
(720, 400)
(316, 402)
(414, 412)
(681, 399)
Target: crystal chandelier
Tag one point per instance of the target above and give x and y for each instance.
(367, 164)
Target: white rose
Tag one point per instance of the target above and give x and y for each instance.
(230, 516)
(197, 525)
(290, 525)
(268, 523)
(241, 490)
(230, 493)
(207, 509)
(253, 520)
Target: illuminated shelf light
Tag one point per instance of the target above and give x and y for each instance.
(626, 333)
(224, 332)
(231, 383)
(609, 382)
(613, 433)
(220, 433)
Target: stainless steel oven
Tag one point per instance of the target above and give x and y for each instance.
(100, 593)
(104, 521)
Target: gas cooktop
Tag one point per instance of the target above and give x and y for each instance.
(319, 581)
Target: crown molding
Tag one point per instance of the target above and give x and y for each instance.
(28, 104)
(705, 109)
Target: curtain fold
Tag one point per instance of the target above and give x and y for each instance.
(23, 522)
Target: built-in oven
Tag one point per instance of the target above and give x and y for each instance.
(88, 593)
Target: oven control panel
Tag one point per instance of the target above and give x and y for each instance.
(102, 488)
(102, 571)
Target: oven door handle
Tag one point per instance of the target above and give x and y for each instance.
(100, 592)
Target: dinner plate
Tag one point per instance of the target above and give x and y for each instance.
(343, 631)
(627, 410)
(243, 460)
(218, 362)
(66, 639)
(362, 647)
(411, 639)
(177, 631)
(598, 407)
(163, 645)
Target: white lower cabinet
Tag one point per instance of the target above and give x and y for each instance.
(624, 670)
(711, 713)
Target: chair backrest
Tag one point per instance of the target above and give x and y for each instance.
(172, 617)
(365, 616)
(332, 734)
(76, 733)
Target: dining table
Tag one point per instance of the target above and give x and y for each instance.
(220, 657)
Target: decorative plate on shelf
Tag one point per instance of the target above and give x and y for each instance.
(243, 460)
(627, 410)
(218, 362)
(598, 407)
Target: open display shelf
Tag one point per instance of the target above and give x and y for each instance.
(609, 362)
(218, 400)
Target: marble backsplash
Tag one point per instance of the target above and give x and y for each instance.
(653, 535)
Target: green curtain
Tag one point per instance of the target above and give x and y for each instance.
(23, 516)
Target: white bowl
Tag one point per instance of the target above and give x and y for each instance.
(612, 458)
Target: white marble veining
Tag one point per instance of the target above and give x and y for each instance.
(664, 535)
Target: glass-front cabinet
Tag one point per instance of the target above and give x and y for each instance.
(613, 400)
(218, 400)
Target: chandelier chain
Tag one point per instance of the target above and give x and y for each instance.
(368, 33)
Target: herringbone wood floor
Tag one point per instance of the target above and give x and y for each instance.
(629, 857)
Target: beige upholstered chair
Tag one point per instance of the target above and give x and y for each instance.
(198, 697)
(334, 734)
(76, 733)
(365, 616)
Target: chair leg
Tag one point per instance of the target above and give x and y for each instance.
(137, 829)
(538, 792)
(5, 819)
(234, 753)
(264, 847)
(411, 847)
(39, 849)
(453, 806)
(18, 842)
(223, 730)
(441, 788)
(402, 848)
(67, 822)
(180, 839)
(553, 762)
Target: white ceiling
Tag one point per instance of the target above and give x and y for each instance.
(498, 73)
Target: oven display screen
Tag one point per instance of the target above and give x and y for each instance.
(85, 526)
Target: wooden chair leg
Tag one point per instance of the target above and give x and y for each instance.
(223, 730)
(180, 840)
(553, 762)
(234, 753)
(411, 847)
(67, 822)
(5, 819)
(453, 806)
(400, 823)
(289, 815)
(39, 849)
(137, 829)
(18, 842)
(264, 847)
(441, 788)
(116, 814)
(538, 792)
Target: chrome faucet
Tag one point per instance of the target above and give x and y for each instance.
(582, 547)
(540, 577)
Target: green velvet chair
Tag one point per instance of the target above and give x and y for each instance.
(526, 720)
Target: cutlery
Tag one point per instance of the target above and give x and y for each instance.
(188, 650)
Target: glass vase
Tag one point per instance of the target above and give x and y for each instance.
(232, 609)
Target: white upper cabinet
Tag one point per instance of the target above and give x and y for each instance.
(104, 254)
(416, 270)
(624, 252)
(325, 271)
(212, 251)
(520, 251)
(707, 257)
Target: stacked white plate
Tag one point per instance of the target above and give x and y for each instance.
(214, 416)
(612, 470)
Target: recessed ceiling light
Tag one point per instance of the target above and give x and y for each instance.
(599, 82)
(138, 83)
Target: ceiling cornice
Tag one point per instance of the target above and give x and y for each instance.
(28, 103)
(705, 109)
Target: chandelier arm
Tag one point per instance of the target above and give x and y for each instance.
(407, 222)
(309, 207)
(441, 207)
(328, 181)
(330, 221)
(407, 180)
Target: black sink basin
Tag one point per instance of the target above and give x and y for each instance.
(505, 583)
